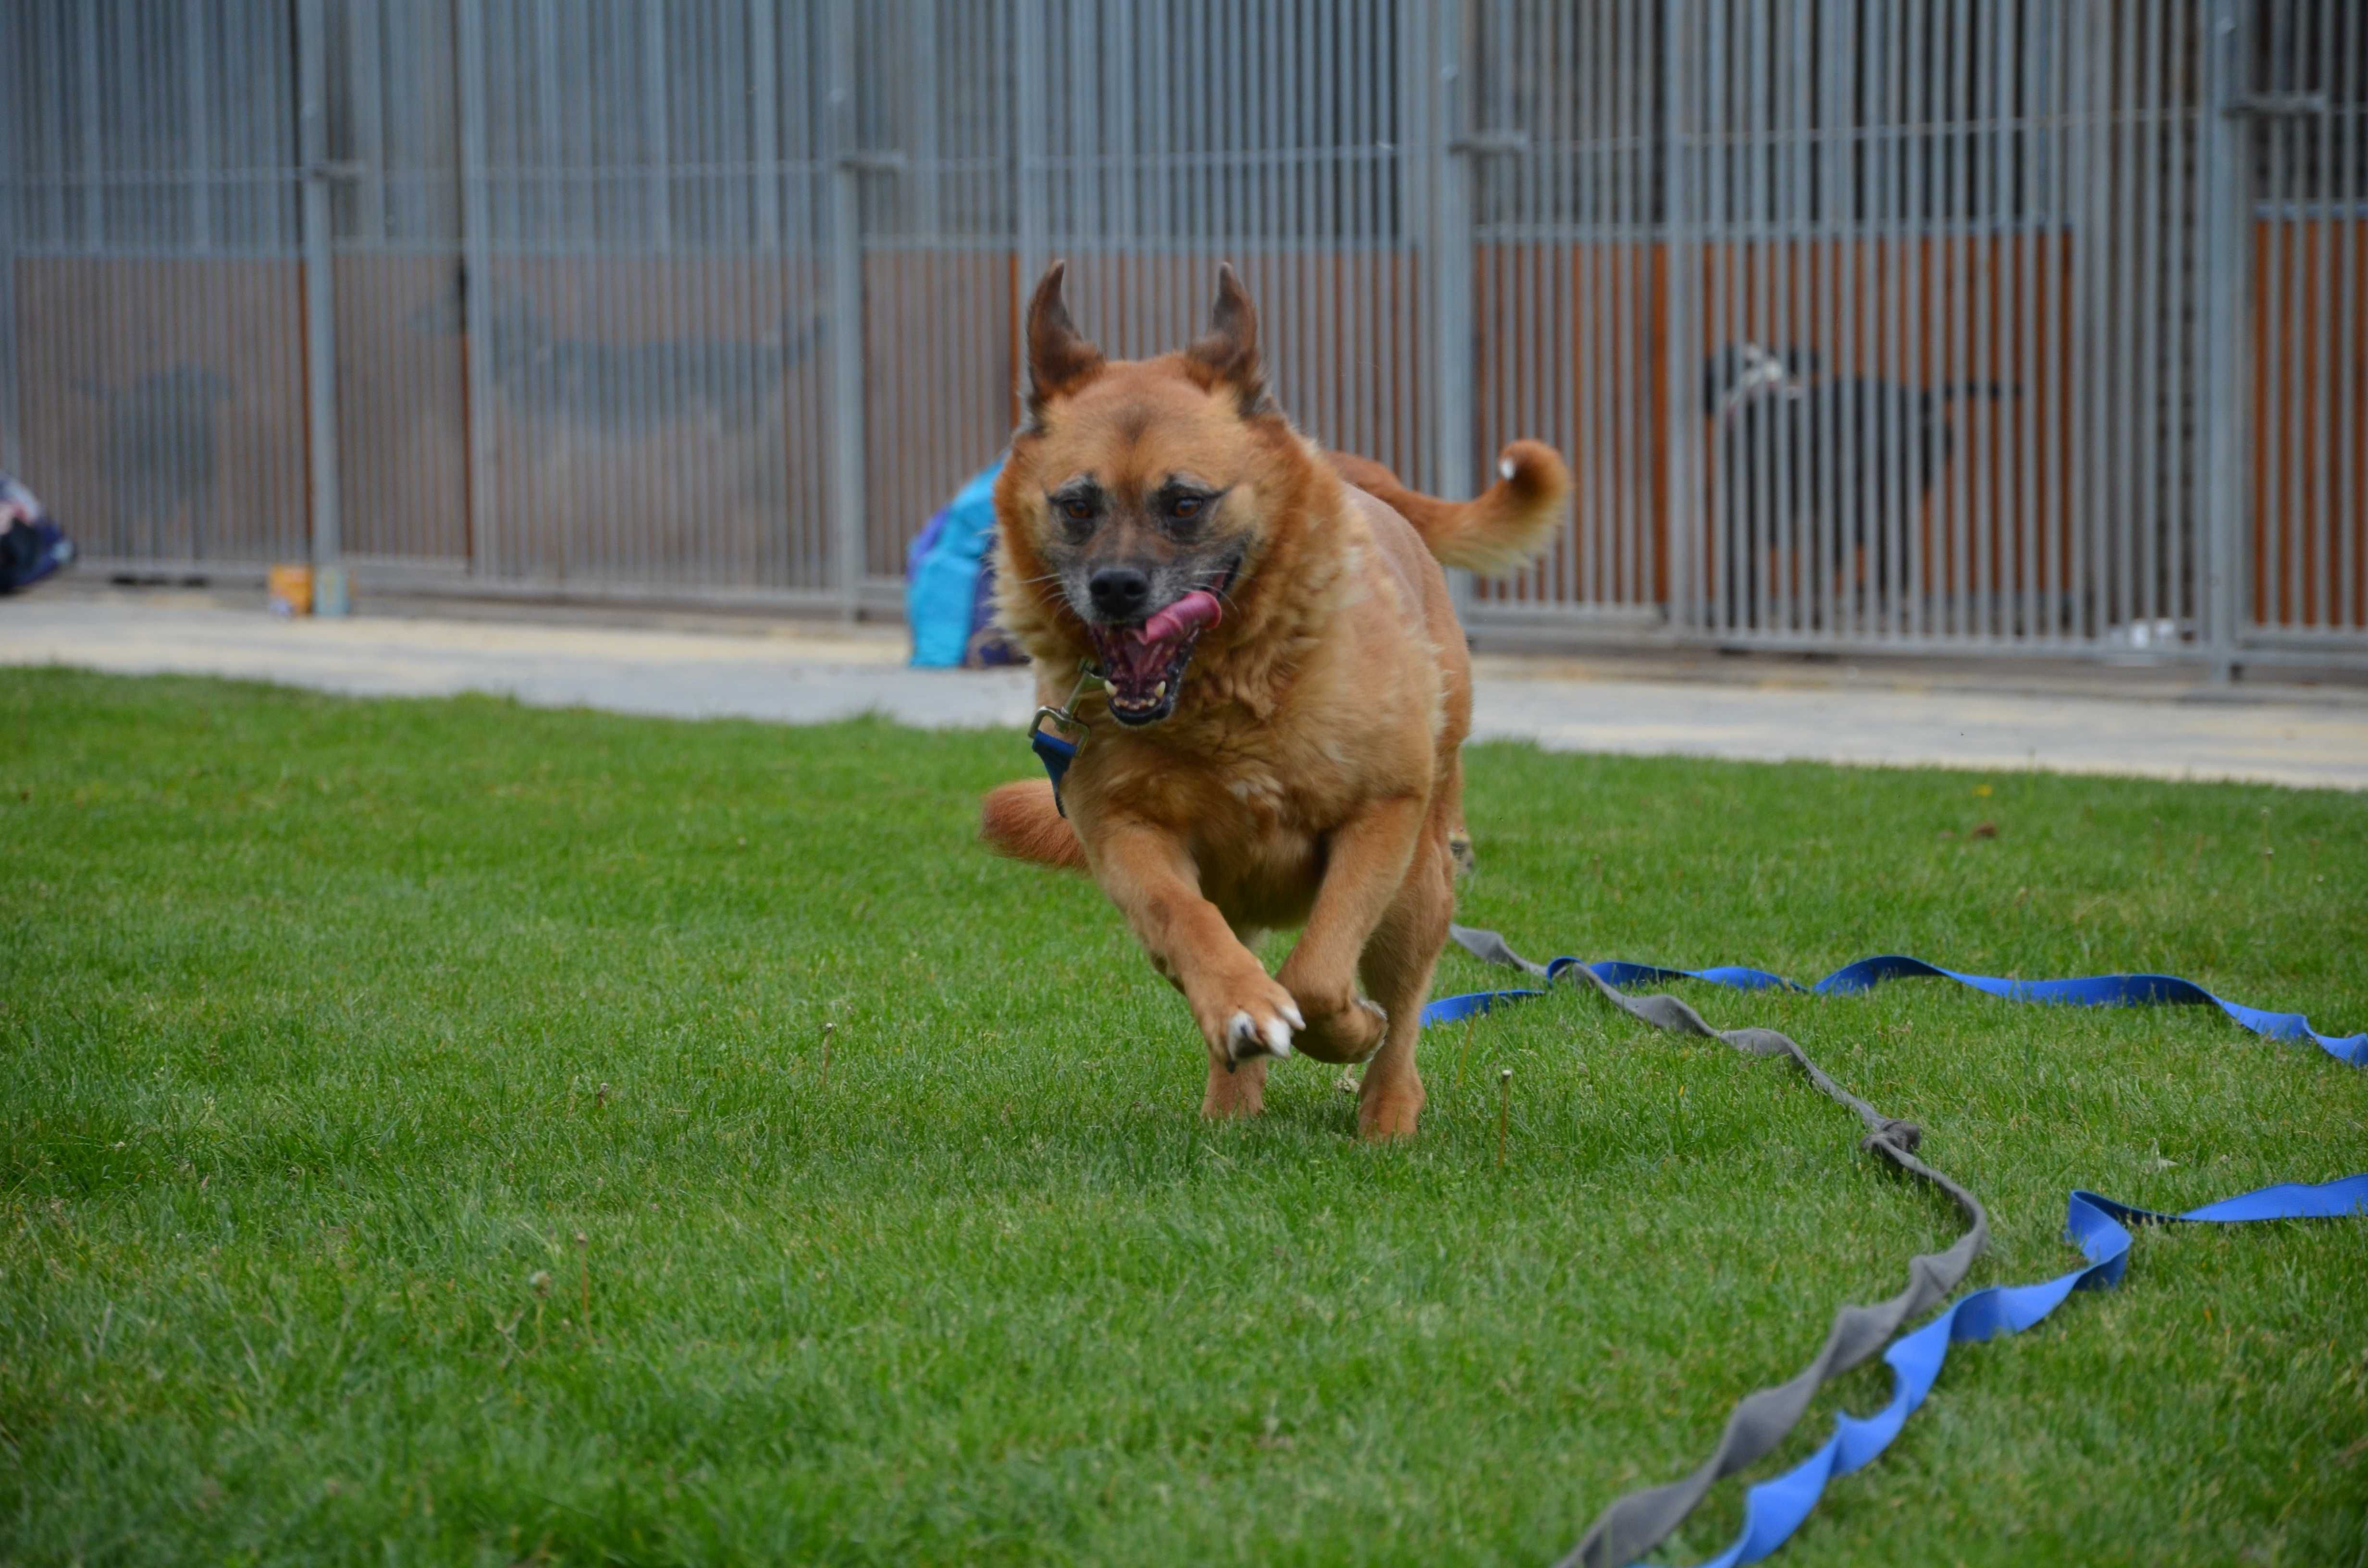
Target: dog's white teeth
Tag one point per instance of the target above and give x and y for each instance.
(1159, 691)
(1277, 1036)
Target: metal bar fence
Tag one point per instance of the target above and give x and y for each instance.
(1956, 326)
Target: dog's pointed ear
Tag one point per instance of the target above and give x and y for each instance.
(1230, 353)
(1060, 360)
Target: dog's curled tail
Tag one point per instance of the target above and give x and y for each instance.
(1503, 526)
(1020, 820)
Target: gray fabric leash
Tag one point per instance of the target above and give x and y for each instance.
(1643, 1519)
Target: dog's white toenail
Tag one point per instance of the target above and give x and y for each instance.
(1504, 467)
(1291, 1011)
(1277, 1036)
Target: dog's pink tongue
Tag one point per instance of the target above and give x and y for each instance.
(1195, 610)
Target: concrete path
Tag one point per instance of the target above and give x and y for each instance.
(801, 674)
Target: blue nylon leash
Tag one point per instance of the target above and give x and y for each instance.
(2093, 990)
(1773, 1509)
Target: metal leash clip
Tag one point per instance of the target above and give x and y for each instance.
(1056, 752)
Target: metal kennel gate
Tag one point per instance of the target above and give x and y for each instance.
(1961, 325)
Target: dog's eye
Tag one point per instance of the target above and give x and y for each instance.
(1184, 508)
(1078, 509)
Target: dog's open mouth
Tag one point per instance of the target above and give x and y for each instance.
(1143, 666)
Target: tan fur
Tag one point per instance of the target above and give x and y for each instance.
(1021, 821)
(1502, 528)
(1310, 773)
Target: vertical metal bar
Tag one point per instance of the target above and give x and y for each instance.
(2178, 545)
(2147, 139)
(1889, 436)
(847, 446)
(1797, 257)
(1801, 258)
(475, 281)
(1950, 110)
(2346, 211)
(1451, 271)
(2277, 330)
(320, 307)
(94, 145)
(2327, 192)
(924, 151)
(643, 552)
(14, 226)
(1595, 492)
(1719, 137)
(366, 78)
(1632, 237)
(2222, 413)
(1766, 322)
(1411, 165)
(652, 67)
(1506, 216)
(764, 125)
(2024, 383)
(774, 550)
(2295, 328)
(1927, 284)
(1837, 564)
(1682, 345)
(1768, 494)
(1986, 227)
(1084, 163)
(1299, 343)
(1853, 194)
(1379, 245)
(1772, 80)
(1165, 216)
(2083, 452)
(1126, 55)
(2126, 130)
(1200, 175)
(1327, 380)
(200, 154)
(1372, 406)
(1029, 109)
(1607, 301)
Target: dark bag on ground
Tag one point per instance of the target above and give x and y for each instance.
(32, 546)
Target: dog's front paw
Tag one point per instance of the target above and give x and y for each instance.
(1350, 1032)
(1251, 1019)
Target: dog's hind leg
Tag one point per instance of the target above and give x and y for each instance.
(1397, 968)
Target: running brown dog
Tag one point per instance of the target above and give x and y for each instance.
(1285, 690)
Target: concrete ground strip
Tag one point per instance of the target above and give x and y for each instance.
(800, 674)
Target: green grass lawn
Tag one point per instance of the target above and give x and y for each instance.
(348, 1048)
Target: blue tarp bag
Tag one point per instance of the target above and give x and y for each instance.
(949, 583)
(32, 546)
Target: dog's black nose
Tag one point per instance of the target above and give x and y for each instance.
(1122, 593)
